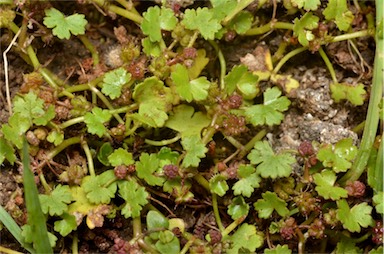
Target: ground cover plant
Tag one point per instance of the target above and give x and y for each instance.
(222, 126)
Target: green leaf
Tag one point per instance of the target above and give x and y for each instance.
(195, 150)
(270, 111)
(245, 237)
(221, 8)
(218, 185)
(278, 250)
(339, 156)
(308, 5)
(270, 164)
(151, 48)
(242, 22)
(356, 217)
(155, 20)
(29, 234)
(31, 107)
(378, 201)
(182, 114)
(105, 150)
(135, 197)
(325, 185)
(156, 221)
(302, 28)
(171, 247)
(345, 245)
(95, 121)
(55, 137)
(379, 250)
(148, 169)
(355, 94)
(241, 79)
(114, 81)
(189, 90)
(238, 208)
(6, 151)
(66, 225)
(337, 10)
(64, 26)
(36, 219)
(202, 20)
(56, 203)
(154, 101)
(100, 188)
(269, 203)
(15, 129)
(248, 181)
(120, 157)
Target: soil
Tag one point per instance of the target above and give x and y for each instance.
(313, 115)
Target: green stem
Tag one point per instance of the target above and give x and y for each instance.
(232, 226)
(162, 142)
(88, 154)
(241, 5)
(87, 43)
(287, 57)
(221, 61)
(202, 181)
(46, 186)
(372, 119)
(216, 212)
(107, 103)
(248, 147)
(328, 64)
(359, 128)
(343, 37)
(193, 39)
(131, 15)
(136, 223)
(234, 142)
(268, 27)
(70, 122)
(75, 243)
(62, 146)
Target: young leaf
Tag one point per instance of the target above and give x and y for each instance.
(238, 208)
(189, 90)
(269, 203)
(325, 185)
(356, 217)
(195, 149)
(378, 201)
(56, 203)
(241, 79)
(155, 100)
(246, 237)
(105, 150)
(120, 157)
(340, 156)
(248, 181)
(355, 94)
(156, 221)
(15, 129)
(55, 137)
(218, 185)
(147, 169)
(302, 28)
(31, 107)
(308, 5)
(64, 26)
(135, 197)
(95, 121)
(66, 225)
(270, 164)
(242, 22)
(6, 151)
(202, 20)
(337, 10)
(151, 48)
(155, 20)
(100, 188)
(182, 114)
(279, 250)
(114, 81)
(270, 111)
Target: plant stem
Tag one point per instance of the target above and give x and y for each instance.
(87, 43)
(216, 212)
(268, 27)
(223, 69)
(202, 181)
(62, 146)
(163, 142)
(71, 122)
(6, 250)
(248, 147)
(75, 243)
(88, 154)
(372, 119)
(287, 57)
(343, 37)
(232, 226)
(328, 64)
(120, 11)
(136, 223)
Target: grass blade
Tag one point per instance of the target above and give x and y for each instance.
(36, 218)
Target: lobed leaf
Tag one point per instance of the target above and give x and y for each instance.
(270, 202)
(202, 20)
(195, 150)
(135, 197)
